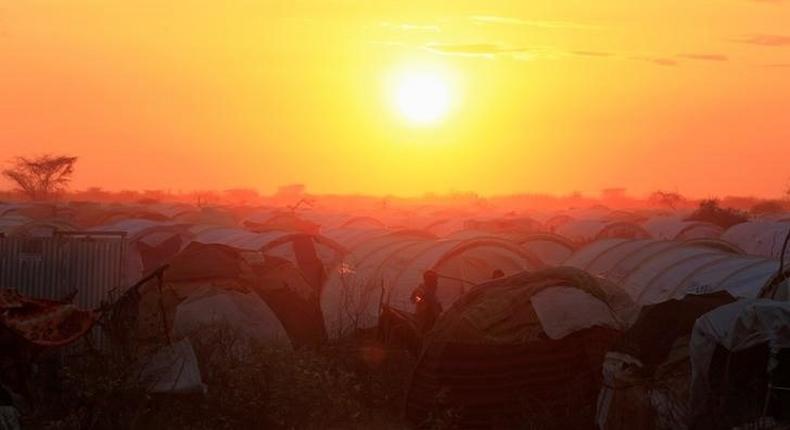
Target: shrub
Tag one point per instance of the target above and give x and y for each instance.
(710, 211)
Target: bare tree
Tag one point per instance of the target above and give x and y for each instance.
(41, 177)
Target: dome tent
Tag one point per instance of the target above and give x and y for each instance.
(388, 268)
(519, 350)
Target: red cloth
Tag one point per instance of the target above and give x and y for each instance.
(43, 322)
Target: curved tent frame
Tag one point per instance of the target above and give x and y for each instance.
(764, 238)
(674, 228)
(590, 230)
(397, 263)
(653, 271)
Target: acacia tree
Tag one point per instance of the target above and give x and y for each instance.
(42, 177)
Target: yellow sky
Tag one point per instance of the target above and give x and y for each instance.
(548, 96)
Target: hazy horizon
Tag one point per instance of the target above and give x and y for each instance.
(533, 98)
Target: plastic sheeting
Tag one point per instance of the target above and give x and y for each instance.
(736, 327)
(653, 271)
(588, 230)
(244, 314)
(566, 310)
(389, 268)
(676, 228)
(764, 238)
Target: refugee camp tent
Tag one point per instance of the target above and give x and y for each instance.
(249, 317)
(654, 271)
(585, 231)
(313, 254)
(351, 238)
(520, 351)
(556, 221)
(116, 213)
(9, 223)
(30, 210)
(363, 223)
(677, 228)
(217, 286)
(764, 238)
(290, 272)
(387, 268)
(775, 217)
(505, 224)
(740, 361)
(215, 216)
(646, 373)
(445, 227)
(279, 220)
(41, 228)
(150, 244)
(551, 248)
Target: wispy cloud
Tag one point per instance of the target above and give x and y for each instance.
(478, 49)
(765, 40)
(659, 61)
(592, 53)
(412, 27)
(778, 65)
(493, 19)
(704, 57)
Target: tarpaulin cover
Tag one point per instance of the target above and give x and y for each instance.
(646, 373)
(736, 327)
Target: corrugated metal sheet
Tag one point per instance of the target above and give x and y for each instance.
(54, 267)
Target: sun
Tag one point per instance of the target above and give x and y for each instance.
(422, 97)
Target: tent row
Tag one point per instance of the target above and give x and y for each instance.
(614, 340)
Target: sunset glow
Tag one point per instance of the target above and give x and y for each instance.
(492, 97)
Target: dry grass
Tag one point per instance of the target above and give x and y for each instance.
(343, 385)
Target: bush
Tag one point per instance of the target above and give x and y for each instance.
(710, 211)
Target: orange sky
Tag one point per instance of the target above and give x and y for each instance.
(548, 96)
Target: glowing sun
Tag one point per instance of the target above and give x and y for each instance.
(422, 98)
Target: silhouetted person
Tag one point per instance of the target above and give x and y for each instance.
(428, 307)
(497, 274)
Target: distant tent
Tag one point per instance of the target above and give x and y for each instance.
(551, 248)
(584, 231)
(522, 225)
(41, 228)
(677, 228)
(260, 222)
